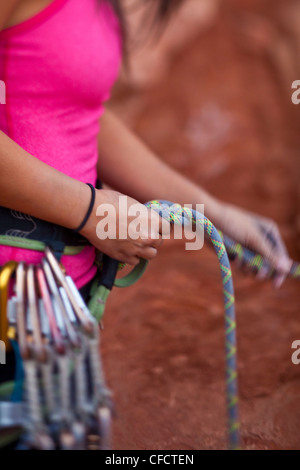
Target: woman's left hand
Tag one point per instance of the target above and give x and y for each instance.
(259, 234)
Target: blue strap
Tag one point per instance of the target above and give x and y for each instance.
(17, 393)
(57, 247)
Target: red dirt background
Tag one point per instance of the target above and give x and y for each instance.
(222, 114)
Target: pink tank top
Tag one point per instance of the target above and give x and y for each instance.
(59, 67)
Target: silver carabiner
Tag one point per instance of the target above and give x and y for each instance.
(79, 307)
(101, 394)
(59, 307)
(45, 295)
(37, 343)
(21, 310)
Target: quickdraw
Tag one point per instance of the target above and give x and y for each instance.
(63, 398)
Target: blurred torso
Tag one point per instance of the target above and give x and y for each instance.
(59, 60)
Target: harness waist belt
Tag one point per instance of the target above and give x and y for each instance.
(17, 225)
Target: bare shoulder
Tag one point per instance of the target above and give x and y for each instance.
(6, 11)
(13, 12)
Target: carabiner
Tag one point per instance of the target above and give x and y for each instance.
(5, 275)
(21, 310)
(58, 303)
(45, 296)
(81, 313)
(39, 348)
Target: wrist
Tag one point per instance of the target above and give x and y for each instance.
(91, 222)
(79, 206)
(212, 208)
(88, 213)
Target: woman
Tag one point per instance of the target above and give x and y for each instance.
(59, 60)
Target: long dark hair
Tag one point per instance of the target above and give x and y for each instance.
(162, 12)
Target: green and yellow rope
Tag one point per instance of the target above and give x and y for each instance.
(178, 215)
(226, 249)
(253, 260)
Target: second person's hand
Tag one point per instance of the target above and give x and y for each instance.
(259, 234)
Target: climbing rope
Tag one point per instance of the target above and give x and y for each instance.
(226, 249)
(178, 215)
(253, 260)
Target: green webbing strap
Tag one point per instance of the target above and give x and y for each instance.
(99, 295)
(35, 245)
(10, 437)
(133, 276)
(97, 303)
(6, 389)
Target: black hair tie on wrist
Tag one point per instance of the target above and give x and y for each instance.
(89, 211)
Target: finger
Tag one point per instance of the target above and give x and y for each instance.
(284, 266)
(279, 280)
(159, 225)
(154, 241)
(263, 273)
(275, 236)
(133, 261)
(130, 260)
(164, 228)
(284, 263)
(264, 247)
(272, 232)
(148, 253)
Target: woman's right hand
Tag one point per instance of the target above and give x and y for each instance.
(133, 244)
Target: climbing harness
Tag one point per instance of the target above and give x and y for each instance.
(59, 398)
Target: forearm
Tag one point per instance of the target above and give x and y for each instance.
(30, 186)
(128, 165)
